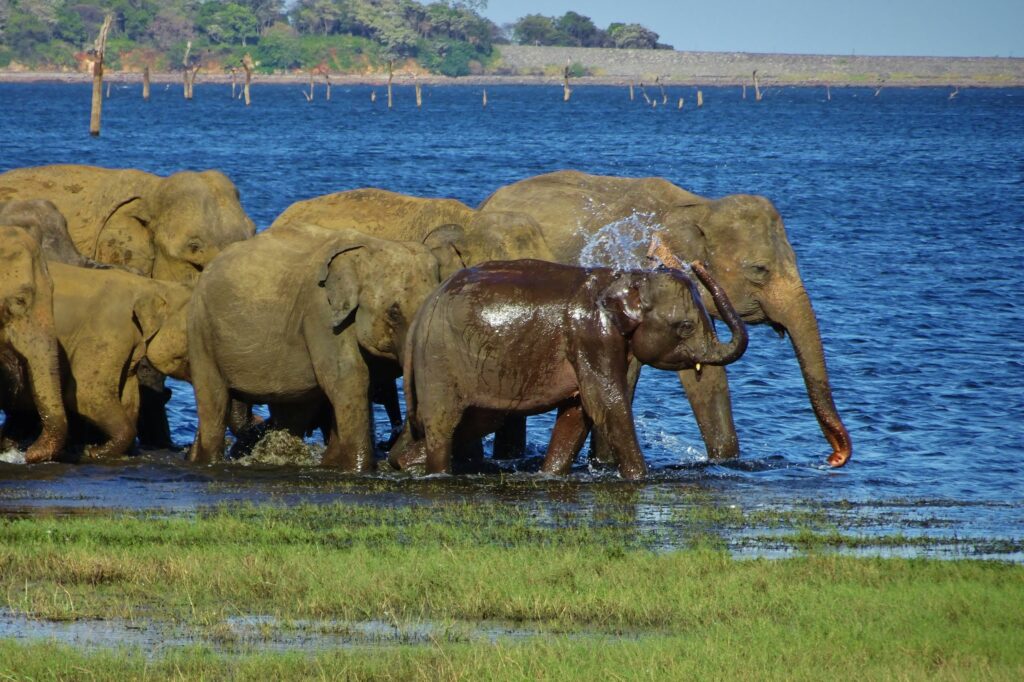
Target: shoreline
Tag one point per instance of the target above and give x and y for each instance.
(532, 65)
(380, 80)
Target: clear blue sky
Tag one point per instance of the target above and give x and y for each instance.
(963, 28)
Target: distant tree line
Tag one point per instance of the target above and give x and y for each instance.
(575, 30)
(448, 37)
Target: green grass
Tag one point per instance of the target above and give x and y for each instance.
(613, 606)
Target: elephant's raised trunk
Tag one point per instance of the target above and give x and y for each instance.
(723, 353)
(797, 317)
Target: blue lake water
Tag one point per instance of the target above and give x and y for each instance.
(906, 212)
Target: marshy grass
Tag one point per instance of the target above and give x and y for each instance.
(612, 603)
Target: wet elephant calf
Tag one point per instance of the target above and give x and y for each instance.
(527, 336)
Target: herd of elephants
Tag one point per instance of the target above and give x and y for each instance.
(112, 280)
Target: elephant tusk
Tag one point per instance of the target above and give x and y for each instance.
(696, 371)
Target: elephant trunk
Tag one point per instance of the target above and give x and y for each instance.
(798, 319)
(723, 353)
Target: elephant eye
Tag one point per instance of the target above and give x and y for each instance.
(684, 328)
(195, 245)
(756, 272)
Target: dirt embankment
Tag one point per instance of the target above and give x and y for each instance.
(529, 65)
(727, 68)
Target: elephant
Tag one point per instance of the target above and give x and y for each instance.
(377, 212)
(106, 322)
(166, 228)
(44, 223)
(527, 336)
(29, 357)
(456, 234)
(298, 316)
(740, 237)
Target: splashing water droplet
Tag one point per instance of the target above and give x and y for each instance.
(621, 244)
(12, 456)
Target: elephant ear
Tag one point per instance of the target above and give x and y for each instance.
(447, 244)
(149, 313)
(125, 239)
(341, 281)
(624, 302)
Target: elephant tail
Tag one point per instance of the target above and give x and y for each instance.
(409, 383)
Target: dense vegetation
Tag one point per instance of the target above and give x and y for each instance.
(448, 36)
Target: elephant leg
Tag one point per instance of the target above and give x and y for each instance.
(606, 402)
(107, 413)
(510, 438)
(712, 408)
(439, 437)
(153, 427)
(350, 445)
(212, 404)
(600, 453)
(406, 451)
(567, 438)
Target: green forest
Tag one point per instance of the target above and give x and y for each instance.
(343, 36)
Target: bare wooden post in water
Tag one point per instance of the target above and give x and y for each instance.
(99, 47)
(419, 95)
(630, 91)
(234, 84)
(190, 71)
(680, 103)
(700, 99)
(248, 65)
(485, 98)
(309, 95)
(643, 93)
(145, 84)
(664, 95)
(744, 91)
(757, 88)
(327, 81)
(566, 91)
(391, 75)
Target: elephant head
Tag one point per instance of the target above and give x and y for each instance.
(27, 329)
(174, 226)
(743, 239)
(668, 327)
(163, 320)
(496, 235)
(382, 283)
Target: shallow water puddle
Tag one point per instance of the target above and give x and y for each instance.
(266, 633)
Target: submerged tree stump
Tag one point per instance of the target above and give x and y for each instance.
(145, 84)
(248, 65)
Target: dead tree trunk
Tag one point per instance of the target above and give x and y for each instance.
(419, 95)
(757, 88)
(190, 71)
(391, 76)
(99, 47)
(700, 99)
(664, 95)
(566, 90)
(327, 81)
(643, 93)
(234, 81)
(145, 84)
(631, 95)
(309, 95)
(248, 65)
(485, 98)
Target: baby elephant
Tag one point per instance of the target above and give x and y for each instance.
(523, 337)
(107, 321)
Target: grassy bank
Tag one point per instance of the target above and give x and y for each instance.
(611, 604)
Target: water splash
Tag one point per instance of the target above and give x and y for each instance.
(277, 448)
(621, 244)
(12, 456)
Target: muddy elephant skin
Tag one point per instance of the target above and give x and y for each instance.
(740, 237)
(29, 360)
(297, 316)
(527, 336)
(167, 228)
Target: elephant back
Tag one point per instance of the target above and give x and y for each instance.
(87, 196)
(377, 212)
(570, 205)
